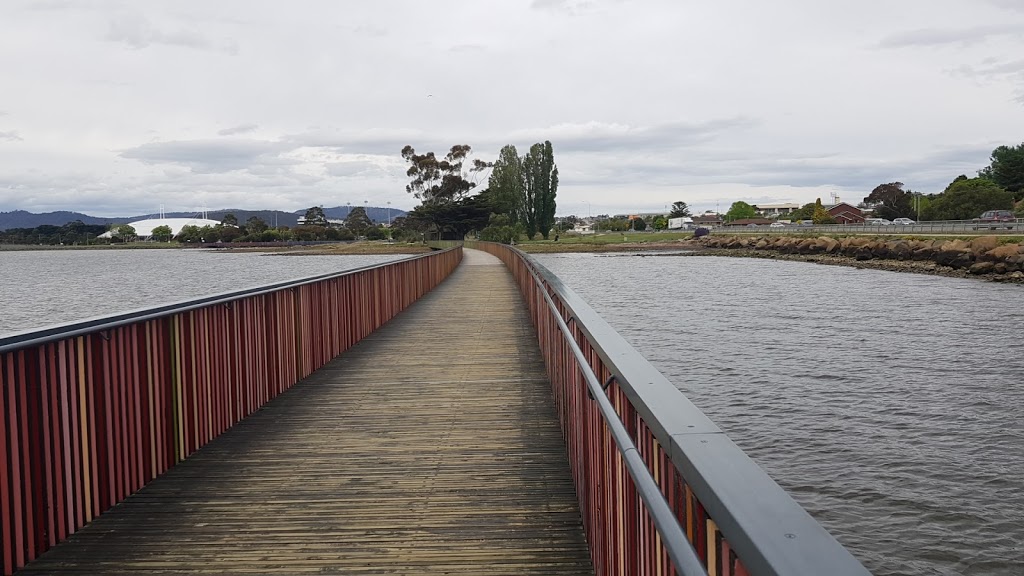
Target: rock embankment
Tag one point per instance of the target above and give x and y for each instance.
(983, 256)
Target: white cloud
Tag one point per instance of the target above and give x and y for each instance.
(210, 155)
(240, 129)
(605, 137)
(927, 37)
(127, 105)
(138, 32)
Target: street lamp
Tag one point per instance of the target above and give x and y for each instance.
(389, 213)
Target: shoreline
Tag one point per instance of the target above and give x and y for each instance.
(720, 246)
(887, 265)
(692, 247)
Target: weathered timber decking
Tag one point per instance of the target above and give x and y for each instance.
(431, 447)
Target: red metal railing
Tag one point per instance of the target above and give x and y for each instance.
(90, 412)
(736, 519)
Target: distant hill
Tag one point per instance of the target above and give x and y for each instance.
(23, 219)
(375, 214)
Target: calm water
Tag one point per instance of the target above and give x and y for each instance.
(889, 405)
(41, 288)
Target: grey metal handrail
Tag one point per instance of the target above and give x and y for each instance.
(770, 532)
(56, 332)
(683, 556)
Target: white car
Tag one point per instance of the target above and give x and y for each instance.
(776, 225)
(877, 222)
(904, 221)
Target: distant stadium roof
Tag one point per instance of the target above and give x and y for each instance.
(144, 228)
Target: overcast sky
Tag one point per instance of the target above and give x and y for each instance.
(116, 107)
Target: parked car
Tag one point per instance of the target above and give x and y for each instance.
(995, 219)
(877, 222)
(776, 225)
(904, 221)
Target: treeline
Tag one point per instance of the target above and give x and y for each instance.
(520, 198)
(315, 226)
(998, 186)
(72, 233)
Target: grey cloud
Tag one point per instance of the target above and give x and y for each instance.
(240, 129)
(10, 136)
(352, 168)
(216, 156)
(467, 48)
(929, 172)
(939, 37)
(571, 6)
(598, 137)
(373, 142)
(1015, 5)
(993, 68)
(136, 31)
(368, 30)
(42, 5)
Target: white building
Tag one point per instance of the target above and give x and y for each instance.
(776, 209)
(144, 228)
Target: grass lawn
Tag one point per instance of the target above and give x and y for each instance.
(604, 241)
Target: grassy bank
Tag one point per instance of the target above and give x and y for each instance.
(341, 248)
(608, 242)
(349, 248)
(129, 246)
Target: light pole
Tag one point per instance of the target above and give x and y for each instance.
(389, 213)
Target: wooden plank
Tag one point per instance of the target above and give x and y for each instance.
(430, 447)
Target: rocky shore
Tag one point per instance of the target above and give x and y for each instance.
(983, 257)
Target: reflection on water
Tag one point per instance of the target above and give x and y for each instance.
(887, 404)
(42, 288)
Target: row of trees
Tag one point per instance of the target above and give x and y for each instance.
(524, 188)
(998, 186)
(315, 226)
(964, 198)
(71, 233)
(519, 198)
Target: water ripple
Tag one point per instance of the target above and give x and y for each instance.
(43, 288)
(886, 404)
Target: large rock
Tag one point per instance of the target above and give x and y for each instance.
(923, 253)
(962, 260)
(880, 249)
(901, 250)
(954, 253)
(807, 246)
(983, 244)
(863, 253)
(982, 268)
(1001, 253)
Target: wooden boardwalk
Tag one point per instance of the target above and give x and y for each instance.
(431, 447)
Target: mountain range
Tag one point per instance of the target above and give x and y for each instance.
(23, 219)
